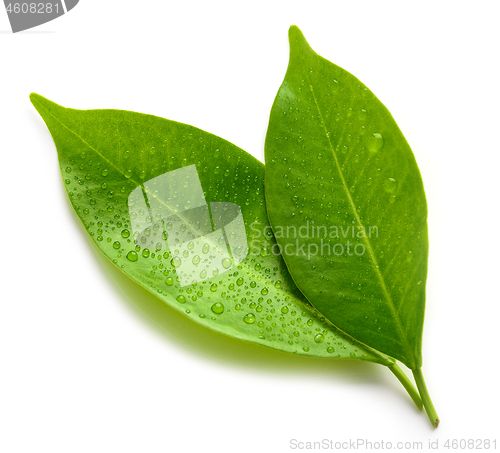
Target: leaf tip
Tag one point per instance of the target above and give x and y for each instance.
(295, 34)
(34, 97)
(39, 101)
(294, 31)
(297, 40)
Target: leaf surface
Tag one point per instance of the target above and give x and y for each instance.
(128, 176)
(342, 182)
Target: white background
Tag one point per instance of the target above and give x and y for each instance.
(83, 368)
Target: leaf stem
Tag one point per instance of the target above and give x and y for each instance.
(422, 388)
(410, 388)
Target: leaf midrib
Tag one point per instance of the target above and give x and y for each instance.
(366, 240)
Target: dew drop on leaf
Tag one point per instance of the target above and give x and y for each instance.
(218, 308)
(390, 185)
(249, 318)
(132, 256)
(319, 338)
(375, 143)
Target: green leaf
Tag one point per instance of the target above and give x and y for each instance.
(118, 168)
(342, 182)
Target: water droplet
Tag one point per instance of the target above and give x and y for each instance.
(305, 348)
(128, 174)
(284, 310)
(226, 263)
(181, 299)
(169, 281)
(125, 233)
(104, 172)
(249, 318)
(319, 338)
(132, 256)
(196, 259)
(176, 261)
(264, 291)
(116, 245)
(240, 281)
(330, 350)
(145, 253)
(390, 185)
(375, 143)
(206, 248)
(217, 308)
(213, 288)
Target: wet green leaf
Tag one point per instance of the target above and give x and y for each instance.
(347, 204)
(119, 171)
